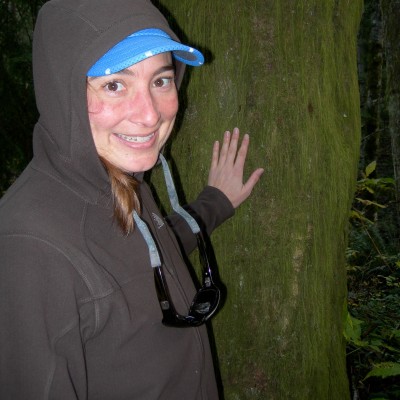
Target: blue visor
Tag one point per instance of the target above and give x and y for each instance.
(141, 45)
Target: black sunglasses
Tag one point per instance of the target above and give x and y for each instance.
(205, 302)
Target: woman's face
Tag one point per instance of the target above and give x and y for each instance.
(132, 112)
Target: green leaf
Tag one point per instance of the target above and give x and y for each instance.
(383, 370)
(369, 203)
(352, 331)
(386, 181)
(354, 214)
(370, 168)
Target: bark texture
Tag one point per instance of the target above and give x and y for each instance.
(286, 72)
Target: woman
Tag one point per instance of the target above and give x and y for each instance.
(80, 314)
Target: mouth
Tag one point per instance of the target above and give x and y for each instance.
(136, 139)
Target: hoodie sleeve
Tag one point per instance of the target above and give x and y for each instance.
(210, 209)
(40, 340)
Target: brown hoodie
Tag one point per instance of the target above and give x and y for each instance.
(79, 316)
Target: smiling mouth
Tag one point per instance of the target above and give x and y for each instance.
(136, 139)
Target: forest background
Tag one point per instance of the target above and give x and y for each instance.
(283, 357)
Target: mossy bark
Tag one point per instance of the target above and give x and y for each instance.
(285, 72)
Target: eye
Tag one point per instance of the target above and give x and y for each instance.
(113, 86)
(163, 82)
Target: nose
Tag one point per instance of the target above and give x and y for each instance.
(143, 108)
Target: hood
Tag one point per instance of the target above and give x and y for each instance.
(69, 37)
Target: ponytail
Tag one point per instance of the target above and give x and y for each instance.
(124, 189)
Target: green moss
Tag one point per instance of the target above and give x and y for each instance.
(286, 73)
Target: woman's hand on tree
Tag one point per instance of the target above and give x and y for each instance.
(227, 165)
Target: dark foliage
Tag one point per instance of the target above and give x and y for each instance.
(374, 297)
(17, 111)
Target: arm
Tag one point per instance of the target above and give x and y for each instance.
(210, 209)
(41, 353)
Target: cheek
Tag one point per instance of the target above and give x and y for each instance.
(95, 105)
(101, 115)
(171, 107)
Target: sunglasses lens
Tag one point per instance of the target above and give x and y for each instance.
(205, 302)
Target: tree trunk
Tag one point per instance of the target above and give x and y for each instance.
(285, 72)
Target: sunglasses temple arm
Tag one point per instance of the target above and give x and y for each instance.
(201, 244)
(162, 292)
(170, 316)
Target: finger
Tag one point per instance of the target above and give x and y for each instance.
(251, 182)
(225, 147)
(242, 153)
(233, 145)
(215, 155)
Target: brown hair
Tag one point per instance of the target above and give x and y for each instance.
(125, 190)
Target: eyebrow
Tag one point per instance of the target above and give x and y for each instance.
(128, 72)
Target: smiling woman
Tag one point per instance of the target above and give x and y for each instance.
(132, 112)
(93, 276)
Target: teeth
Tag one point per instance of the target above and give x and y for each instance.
(136, 139)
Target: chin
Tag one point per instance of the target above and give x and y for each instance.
(142, 166)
